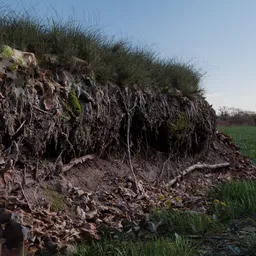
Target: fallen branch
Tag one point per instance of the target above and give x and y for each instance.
(197, 166)
(80, 160)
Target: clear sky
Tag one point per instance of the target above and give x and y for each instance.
(217, 35)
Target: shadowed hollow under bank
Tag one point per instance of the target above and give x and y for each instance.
(49, 111)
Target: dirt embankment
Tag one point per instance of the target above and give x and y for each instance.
(77, 154)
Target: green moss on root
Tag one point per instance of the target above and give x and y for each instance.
(6, 51)
(74, 103)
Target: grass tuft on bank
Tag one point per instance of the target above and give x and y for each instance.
(160, 247)
(109, 60)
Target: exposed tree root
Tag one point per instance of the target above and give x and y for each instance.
(129, 111)
(162, 170)
(80, 160)
(197, 166)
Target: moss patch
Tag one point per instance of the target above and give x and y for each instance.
(6, 51)
(74, 103)
(55, 198)
(180, 125)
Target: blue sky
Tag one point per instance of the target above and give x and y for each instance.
(219, 36)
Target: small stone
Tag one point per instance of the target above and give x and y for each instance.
(80, 192)
(80, 212)
(91, 215)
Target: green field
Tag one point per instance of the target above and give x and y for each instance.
(244, 137)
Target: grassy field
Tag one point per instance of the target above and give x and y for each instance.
(244, 137)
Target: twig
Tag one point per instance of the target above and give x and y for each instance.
(58, 164)
(24, 174)
(70, 144)
(20, 127)
(80, 160)
(129, 152)
(22, 190)
(9, 150)
(31, 113)
(36, 171)
(162, 170)
(58, 158)
(197, 166)
(17, 151)
(41, 110)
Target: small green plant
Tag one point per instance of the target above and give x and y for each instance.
(220, 211)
